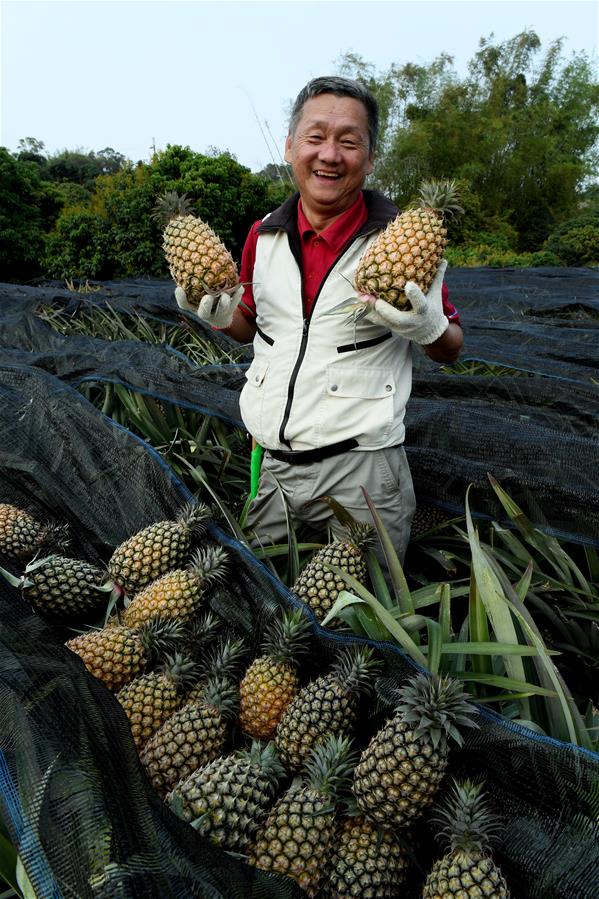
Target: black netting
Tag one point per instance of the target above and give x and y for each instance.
(73, 794)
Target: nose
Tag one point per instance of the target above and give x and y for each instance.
(329, 151)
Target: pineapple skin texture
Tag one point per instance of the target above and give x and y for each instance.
(409, 249)
(398, 775)
(264, 694)
(148, 702)
(368, 863)
(20, 533)
(297, 838)
(189, 738)
(465, 875)
(318, 586)
(65, 588)
(175, 595)
(232, 796)
(198, 260)
(114, 655)
(322, 707)
(149, 554)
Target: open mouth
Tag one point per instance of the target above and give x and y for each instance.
(331, 176)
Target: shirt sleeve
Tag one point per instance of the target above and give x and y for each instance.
(246, 275)
(448, 308)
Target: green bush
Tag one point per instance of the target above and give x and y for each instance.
(76, 248)
(576, 242)
(476, 255)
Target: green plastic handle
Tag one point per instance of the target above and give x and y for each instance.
(255, 465)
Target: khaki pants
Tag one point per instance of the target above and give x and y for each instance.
(384, 473)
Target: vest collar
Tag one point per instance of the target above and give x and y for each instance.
(381, 211)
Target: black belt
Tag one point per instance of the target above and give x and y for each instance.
(303, 457)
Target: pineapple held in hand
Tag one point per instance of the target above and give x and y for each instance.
(410, 248)
(467, 871)
(198, 260)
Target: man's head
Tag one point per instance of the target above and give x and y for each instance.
(338, 87)
(332, 134)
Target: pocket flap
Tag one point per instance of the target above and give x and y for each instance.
(257, 372)
(367, 383)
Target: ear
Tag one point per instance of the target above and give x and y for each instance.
(288, 149)
(370, 165)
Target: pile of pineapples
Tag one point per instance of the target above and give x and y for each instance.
(291, 763)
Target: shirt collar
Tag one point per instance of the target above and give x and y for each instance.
(337, 234)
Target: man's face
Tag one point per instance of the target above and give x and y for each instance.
(329, 153)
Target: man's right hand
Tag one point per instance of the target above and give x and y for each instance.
(215, 309)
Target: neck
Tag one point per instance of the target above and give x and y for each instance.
(322, 218)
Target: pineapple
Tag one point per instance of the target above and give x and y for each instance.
(317, 585)
(22, 535)
(410, 248)
(149, 700)
(227, 799)
(467, 871)
(63, 588)
(327, 705)
(368, 863)
(178, 593)
(271, 681)
(400, 770)
(299, 833)
(116, 654)
(192, 736)
(156, 549)
(198, 260)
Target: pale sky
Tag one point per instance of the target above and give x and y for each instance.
(133, 74)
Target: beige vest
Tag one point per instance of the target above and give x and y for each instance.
(323, 380)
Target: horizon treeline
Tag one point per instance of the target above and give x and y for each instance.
(519, 133)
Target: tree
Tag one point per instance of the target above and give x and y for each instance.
(24, 199)
(519, 133)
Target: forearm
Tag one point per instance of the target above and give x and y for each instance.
(447, 347)
(241, 329)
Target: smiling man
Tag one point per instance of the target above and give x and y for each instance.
(324, 397)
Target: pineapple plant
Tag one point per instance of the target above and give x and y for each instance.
(117, 654)
(410, 248)
(192, 736)
(271, 681)
(399, 772)
(178, 593)
(198, 260)
(150, 699)
(317, 585)
(327, 705)
(156, 549)
(299, 833)
(368, 862)
(22, 535)
(64, 589)
(227, 799)
(467, 871)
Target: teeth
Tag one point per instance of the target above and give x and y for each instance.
(326, 174)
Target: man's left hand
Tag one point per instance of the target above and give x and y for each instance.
(425, 322)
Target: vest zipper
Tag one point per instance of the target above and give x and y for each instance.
(304, 343)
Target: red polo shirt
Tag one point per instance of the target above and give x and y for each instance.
(319, 254)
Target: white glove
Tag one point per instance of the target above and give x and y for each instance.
(215, 309)
(424, 323)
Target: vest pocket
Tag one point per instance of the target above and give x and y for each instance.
(358, 402)
(251, 400)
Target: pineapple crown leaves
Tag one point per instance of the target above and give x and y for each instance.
(466, 818)
(171, 205)
(209, 564)
(287, 637)
(225, 659)
(160, 635)
(330, 765)
(220, 693)
(265, 757)
(180, 669)
(361, 534)
(441, 196)
(202, 629)
(194, 516)
(435, 708)
(355, 669)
